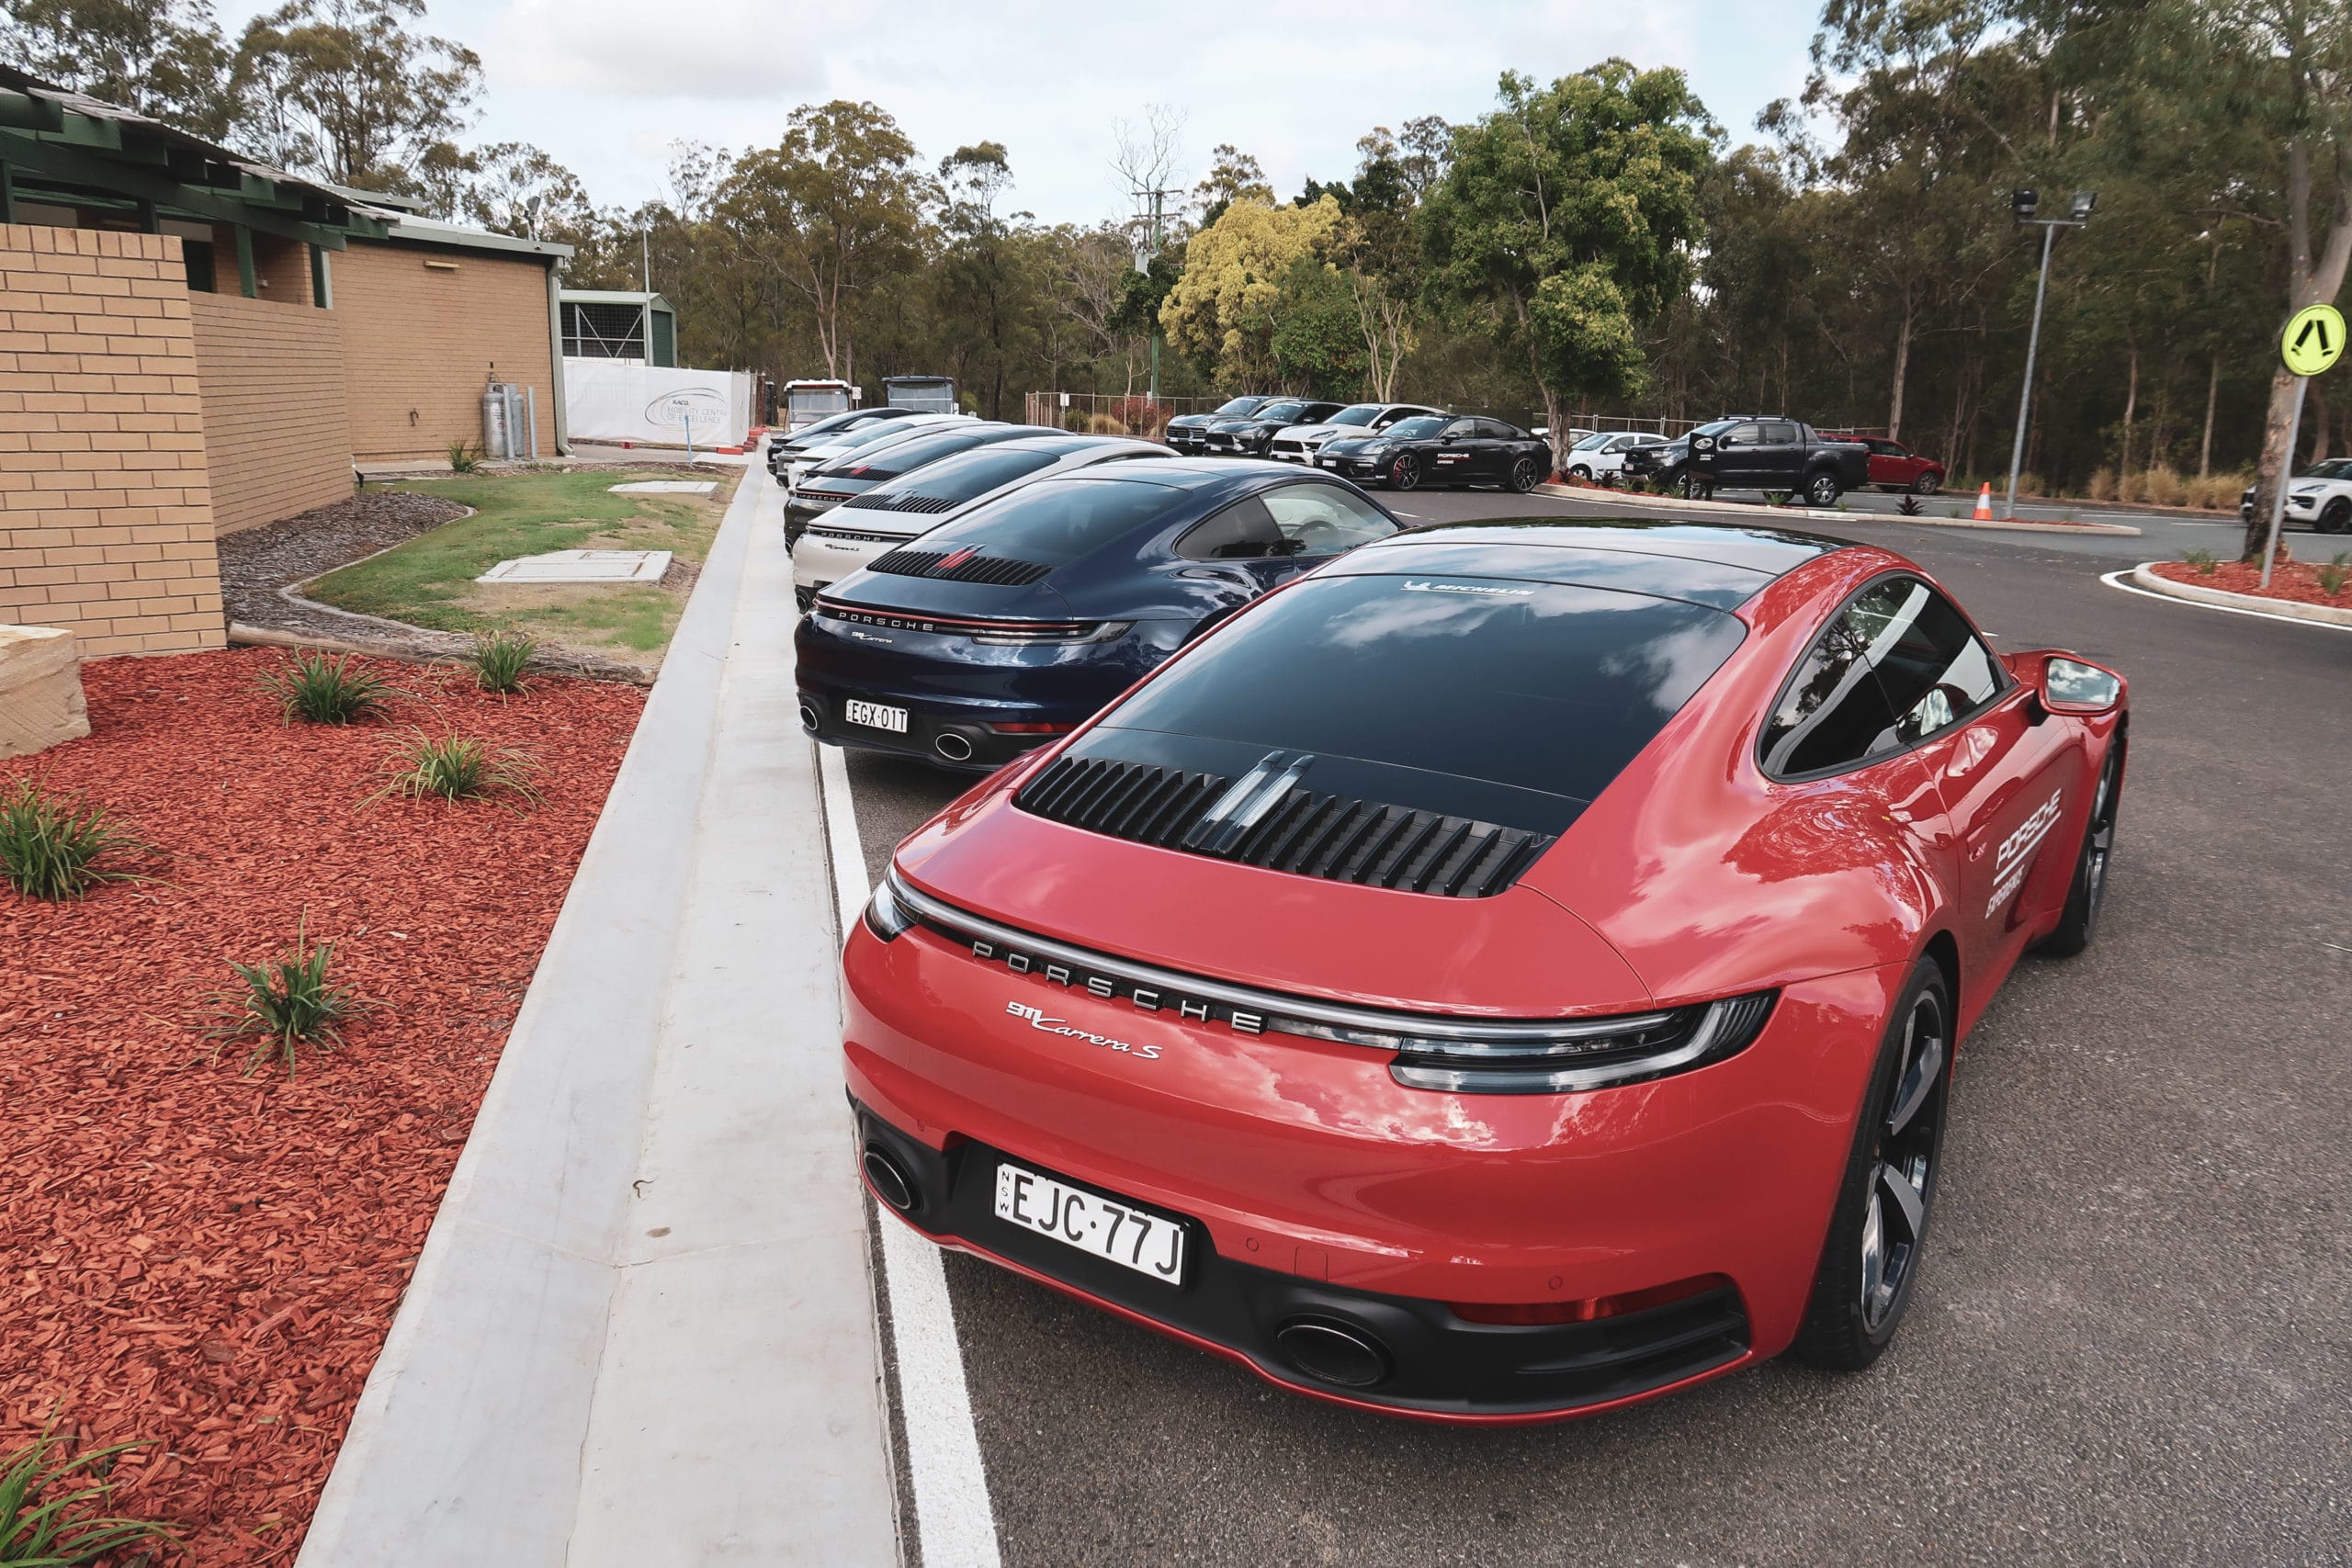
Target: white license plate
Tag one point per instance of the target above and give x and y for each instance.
(1129, 1236)
(877, 716)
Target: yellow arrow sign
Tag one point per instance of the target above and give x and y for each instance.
(2313, 340)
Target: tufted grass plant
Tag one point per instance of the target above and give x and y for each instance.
(459, 767)
(2332, 575)
(2201, 559)
(285, 1005)
(498, 662)
(317, 689)
(48, 1504)
(55, 846)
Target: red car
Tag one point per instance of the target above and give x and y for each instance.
(1511, 971)
(1895, 466)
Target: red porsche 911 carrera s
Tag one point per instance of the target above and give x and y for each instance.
(1512, 970)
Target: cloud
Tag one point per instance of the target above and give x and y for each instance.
(623, 48)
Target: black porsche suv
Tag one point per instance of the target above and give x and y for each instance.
(1251, 434)
(1189, 433)
(1438, 449)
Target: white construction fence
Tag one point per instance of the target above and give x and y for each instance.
(651, 405)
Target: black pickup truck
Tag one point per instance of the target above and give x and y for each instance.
(1770, 453)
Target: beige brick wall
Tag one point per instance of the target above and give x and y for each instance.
(106, 507)
(421, 341)
(277, 439)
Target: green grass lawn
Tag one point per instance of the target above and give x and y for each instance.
(429, 582)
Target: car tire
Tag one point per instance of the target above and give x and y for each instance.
(1405, 473)
(1887, 1197)
(1822, 490)
(1523, 474)
(2087, 892)
(1927, 483)
(1690, 487)
(1581, 472)
(2336, 517)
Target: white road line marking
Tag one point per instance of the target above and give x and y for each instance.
(955, 1523)
(2117, 579)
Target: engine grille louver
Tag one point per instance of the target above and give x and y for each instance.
(969, 568)
(1304, 832)
(871, 501)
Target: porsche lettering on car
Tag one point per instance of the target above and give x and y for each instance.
(1550, 944)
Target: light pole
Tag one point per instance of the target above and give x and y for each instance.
(2022, 204)
(1157, 195)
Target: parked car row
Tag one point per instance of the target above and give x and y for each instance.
(2318, 498)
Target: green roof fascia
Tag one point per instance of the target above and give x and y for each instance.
(258, 203)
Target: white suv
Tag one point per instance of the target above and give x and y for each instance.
(1299, 443)
(1600, 458)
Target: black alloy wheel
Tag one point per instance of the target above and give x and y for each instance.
(1692, 488)
(2087, 891)
(1406, 472)
(1927, 483)
(1878, 1233)
(2336, 517)
(1822, 490)
(1523, 474)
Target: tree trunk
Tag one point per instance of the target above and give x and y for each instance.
(2276, 459)
(1902, 368)
(2315, 421)
(2131, 407)
(2212, 393)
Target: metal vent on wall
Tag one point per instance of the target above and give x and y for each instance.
(1301, 831)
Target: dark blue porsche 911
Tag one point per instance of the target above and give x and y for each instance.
(1015, 622)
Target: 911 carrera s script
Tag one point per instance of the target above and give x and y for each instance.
(1038, 1019)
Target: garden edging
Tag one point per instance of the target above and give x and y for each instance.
(2145, 576)
(1675, 503)
(623, 1343)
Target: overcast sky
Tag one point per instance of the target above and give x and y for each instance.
(606, 85)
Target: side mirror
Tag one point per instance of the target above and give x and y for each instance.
(2063, 683)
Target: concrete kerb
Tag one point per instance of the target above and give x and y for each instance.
(2144, 577)
(641, 1328)
(1822, 514)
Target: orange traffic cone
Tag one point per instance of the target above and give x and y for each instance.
(1985, 503)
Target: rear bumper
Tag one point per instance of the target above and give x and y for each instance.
(952, 736)
(1316, 1184)
(1430, 1363)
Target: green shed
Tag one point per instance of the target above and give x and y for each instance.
(612, 323)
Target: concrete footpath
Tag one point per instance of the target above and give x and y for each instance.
(642, 1329)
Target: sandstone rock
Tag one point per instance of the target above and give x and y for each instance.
(41, 690)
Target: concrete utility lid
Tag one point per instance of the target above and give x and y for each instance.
(582, 566)
(666, 487)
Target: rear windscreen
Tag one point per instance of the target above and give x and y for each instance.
(1056, 520)
(974, 473)
(892, 461)
(1534, 685)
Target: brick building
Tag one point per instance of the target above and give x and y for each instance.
(191, 342)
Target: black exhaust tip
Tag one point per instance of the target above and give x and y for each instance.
(889, 1179)
(952, 747)
(1333, 1353)
(809, 719)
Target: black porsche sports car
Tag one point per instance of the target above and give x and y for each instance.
(1456, 451)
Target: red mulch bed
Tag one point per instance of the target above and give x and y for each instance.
(2289, 579)
(208, 1262)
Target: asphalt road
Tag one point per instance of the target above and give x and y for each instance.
(2131, 1342)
